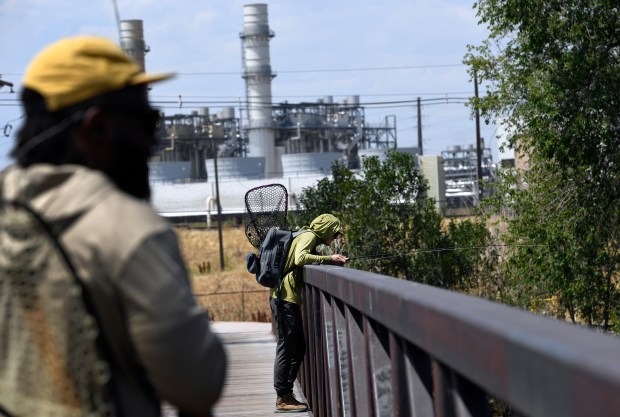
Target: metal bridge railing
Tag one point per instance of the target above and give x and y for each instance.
(379, 346)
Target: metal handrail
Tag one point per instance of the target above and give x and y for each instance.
(380, 346)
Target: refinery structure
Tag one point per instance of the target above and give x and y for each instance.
(263, 142)
(272, 140)
(460, 171)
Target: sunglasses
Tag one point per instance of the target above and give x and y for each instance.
(149, 119)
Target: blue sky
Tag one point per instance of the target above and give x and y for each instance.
(383, 51)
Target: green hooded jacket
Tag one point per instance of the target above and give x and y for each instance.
(321, 229)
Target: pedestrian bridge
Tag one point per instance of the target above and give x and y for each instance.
(379, 346)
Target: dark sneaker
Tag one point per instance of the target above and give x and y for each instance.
(289, 404)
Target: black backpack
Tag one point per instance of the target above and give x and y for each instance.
(272, 253)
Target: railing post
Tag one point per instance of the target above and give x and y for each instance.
(361, 391)
(344, 355)
(319, 343)
(306, 375)
(331, 357)
(314, 354)
(419, 381)
(399, 378)
(470, 400)
(456, 396)
(442, 391)
(380, 370)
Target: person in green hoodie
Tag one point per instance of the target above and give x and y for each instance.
(286, 301)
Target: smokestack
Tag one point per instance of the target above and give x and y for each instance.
(132, 40)
(257, 74)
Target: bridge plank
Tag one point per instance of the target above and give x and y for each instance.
(248, 390)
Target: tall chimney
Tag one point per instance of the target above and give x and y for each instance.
(132, 40)
(257, 74)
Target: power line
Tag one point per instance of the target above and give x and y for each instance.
(443, 94)
(318, 70)
(374, 68)
(315, 70)
(258, 104)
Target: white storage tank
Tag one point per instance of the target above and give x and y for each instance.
(227, 113)
(231, 168)
(169, 171)
(353, 101)
(303, 164)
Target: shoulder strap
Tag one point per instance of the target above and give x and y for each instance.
(299, 232)
(295, 234)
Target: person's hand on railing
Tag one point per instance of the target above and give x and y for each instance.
(339, 260)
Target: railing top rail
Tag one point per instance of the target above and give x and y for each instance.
(545, 366)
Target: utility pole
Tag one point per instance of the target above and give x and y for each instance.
(478, 140)
(117, 16)
(420, 127)
(217, 200)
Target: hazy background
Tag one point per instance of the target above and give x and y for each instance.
(383, 51)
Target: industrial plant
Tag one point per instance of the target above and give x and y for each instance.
(291, 143)
(461, 176)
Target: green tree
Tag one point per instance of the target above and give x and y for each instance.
(552, 73)
(392, 227)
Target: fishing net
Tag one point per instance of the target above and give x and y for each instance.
(50, 364)
(265, 207)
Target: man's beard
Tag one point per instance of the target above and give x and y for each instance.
(130, 171)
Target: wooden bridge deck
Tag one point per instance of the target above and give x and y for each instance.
(248, 389)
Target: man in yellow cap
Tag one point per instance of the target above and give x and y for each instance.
(81, 167)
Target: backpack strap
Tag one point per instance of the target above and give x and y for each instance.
(299, 232)
(285, 273)
(295, 234)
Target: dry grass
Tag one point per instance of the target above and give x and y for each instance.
(229, 295)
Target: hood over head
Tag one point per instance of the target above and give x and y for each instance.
(325, 226)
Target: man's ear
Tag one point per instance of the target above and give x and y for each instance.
(93, 138)
(94, 122)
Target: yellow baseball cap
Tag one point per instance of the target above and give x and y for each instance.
(76, 69)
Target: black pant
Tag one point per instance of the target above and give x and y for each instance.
(291, 344)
